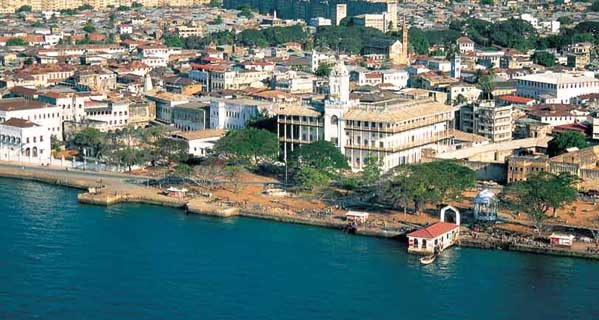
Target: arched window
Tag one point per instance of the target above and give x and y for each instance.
(334, 120)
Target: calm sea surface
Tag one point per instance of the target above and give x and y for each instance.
(63, 260)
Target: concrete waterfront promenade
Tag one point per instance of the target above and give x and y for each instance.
(123, 188)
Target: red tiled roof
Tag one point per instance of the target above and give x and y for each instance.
(515, 99)
(578, 127)
(433, 230)
(19, 123)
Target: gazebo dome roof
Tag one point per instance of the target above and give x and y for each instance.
(486, 196)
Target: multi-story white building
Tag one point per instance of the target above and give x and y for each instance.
(164, 104)
(465, 44)
(44, 115)
(24, 141)
(235, 113)
(557, 114)
(380, 21)
(107, 114)
(236, 80)
(553, 87)
(294, 82)
(71, 104)
(488, 120)
(395, 132)
(191, 116)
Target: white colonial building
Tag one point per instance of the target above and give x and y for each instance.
(45, 115)
(107, 114)
(199, 143)
(550, 87)
(235, 113)
(395, 131)
(24, 141)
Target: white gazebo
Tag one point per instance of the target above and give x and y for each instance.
(485, 206)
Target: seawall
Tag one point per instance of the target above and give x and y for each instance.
(107, 196)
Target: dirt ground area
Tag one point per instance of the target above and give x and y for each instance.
(251, 187)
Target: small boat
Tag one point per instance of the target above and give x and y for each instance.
(428, 259)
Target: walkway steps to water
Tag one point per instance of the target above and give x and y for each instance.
(108, 197)
(203, 207)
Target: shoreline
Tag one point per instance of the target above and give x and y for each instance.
(113, 196)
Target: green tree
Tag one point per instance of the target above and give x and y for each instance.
(123, 8)
(218, 20)
(565, 20)
(28, 61)
(37, 24)
(487, 2)
(563, 141)
(544, 58)
(245, 11)
(372, 170)
(323, 70)
(215, 3)
(486, 83)
(25, 8)
(432, 182)
(320, 155)
(418, 40)
(89, 138)
(173, 41)
(85, 7)
(18, 42)
(89, 28)
(595, 6)
(55, 143)
(128, 157)
(539, 193)
(171, 150)
(248, 146)
(136, 4)
(311, 178)
(183, 170)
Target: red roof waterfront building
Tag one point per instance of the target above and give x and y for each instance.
(438, 235)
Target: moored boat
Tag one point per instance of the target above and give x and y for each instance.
(428, 259)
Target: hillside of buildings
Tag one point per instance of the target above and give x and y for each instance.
(393, 108)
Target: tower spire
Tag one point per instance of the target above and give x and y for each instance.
(404, 41)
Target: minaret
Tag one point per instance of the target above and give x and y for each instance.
(148, 83)
(456, 66)
(339, 83)
(404, 42)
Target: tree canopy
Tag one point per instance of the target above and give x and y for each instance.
(371, 171)
(89, 28)
(248, 146)
(273, 36)
(544, 58)
(16, 42)
(566, 140)
(24, 8)
(88, 138)
(432, 182)
(541, 192)
(320, 155)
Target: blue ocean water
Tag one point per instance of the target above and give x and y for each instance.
(63, 260)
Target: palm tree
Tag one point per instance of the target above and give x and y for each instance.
(486, 82)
